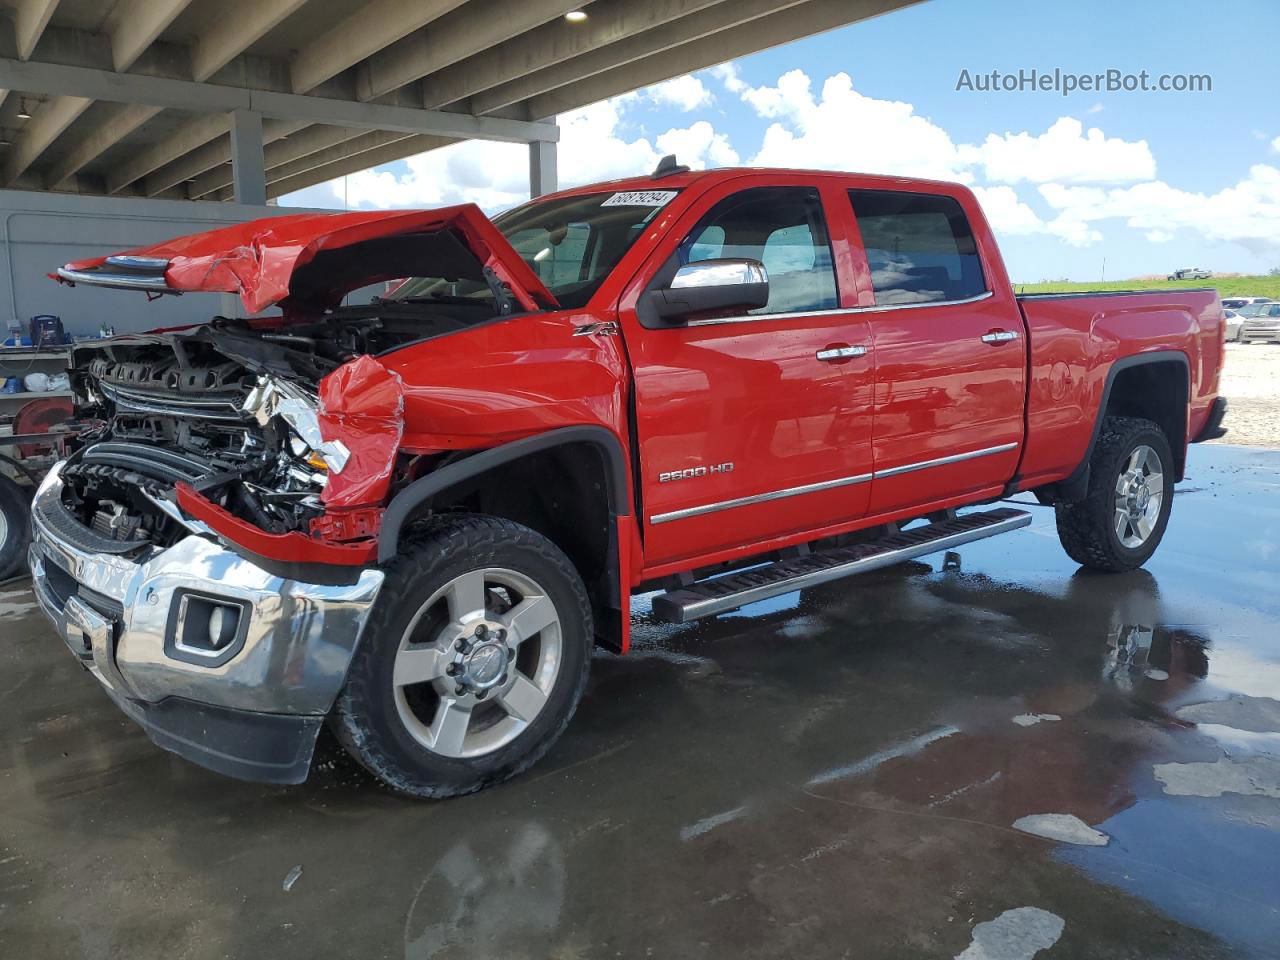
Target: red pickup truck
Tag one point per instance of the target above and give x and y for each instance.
(413, 516)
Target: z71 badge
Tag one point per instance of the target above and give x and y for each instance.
(692, 472)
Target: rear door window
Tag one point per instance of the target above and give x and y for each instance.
(919, 247)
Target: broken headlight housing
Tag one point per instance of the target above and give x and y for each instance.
(300, 410)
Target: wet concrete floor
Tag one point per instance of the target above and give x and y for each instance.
(833, 774)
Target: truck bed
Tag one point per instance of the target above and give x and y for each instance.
(1074, 343)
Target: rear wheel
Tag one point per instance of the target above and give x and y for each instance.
(15, 527)
(1121, 521)
(472, 663)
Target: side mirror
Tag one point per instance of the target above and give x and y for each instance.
(712, 285)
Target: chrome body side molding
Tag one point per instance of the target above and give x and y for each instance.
(828, 484)
(757, 498)
(943, 461)
(875, 308)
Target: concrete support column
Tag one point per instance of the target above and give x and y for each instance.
(542, 167)
(248, 165)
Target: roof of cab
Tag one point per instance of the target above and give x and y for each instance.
(709, 178)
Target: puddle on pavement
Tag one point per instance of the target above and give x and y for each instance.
(874, 741)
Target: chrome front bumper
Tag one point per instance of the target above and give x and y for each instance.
(118, 616)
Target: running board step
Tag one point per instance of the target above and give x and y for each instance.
(738, 589)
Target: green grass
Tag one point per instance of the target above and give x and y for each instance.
(1226, 286)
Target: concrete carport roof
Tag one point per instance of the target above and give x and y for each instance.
(252, 99)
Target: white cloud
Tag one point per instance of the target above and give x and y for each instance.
(1010, 216)
(495, 175)
(699, 145)
(728, 74)
(1085, 178)
(1006, 213)
(1096, 108)
(1247, 213)
(685, 93)
(843, 130)
(1064, 153)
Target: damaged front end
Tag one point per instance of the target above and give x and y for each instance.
(208, 548)
(231, 428)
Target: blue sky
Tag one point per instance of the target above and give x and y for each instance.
(1168, 179)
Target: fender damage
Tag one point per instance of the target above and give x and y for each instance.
(281, 435)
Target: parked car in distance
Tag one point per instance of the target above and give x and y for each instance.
(413, 519)
(1235, 303)
(1191, 273)
(1261, 323)
(1235, 325)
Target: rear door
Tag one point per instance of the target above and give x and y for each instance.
(750, 427)
(950, 353)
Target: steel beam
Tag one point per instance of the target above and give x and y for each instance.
(239, 24)
(210, 156)
(542, 168)
(188, 95)
(408, 147)
(283, 152)
(762, 33)
(190, 136)
(29, 20)
(370, 27)
(134, 25)
(248, 166)
(366, 142)
(41, 130)
(474, 27)
(612, 26)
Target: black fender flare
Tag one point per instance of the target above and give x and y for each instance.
(1078, 482)
(404, 503)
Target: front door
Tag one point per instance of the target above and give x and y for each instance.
(757, 426)
(950, 354)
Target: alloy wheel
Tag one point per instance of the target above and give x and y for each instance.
(1139, 496)
(477, 662)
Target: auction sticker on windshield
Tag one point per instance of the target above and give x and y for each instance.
(641, 198)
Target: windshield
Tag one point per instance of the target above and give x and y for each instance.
(1253, 309)
(571, 243)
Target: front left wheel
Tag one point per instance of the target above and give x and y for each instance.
(473, 661)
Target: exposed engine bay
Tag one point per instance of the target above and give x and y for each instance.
(231, 409)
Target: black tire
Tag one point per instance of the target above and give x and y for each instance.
(366, 719)
(1087, 528)
(15, 527)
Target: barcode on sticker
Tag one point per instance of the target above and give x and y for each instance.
(641, 198)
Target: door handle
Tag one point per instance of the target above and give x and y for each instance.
(840, 353)
(999, 336)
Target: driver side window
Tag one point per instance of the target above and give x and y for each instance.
(784, 229)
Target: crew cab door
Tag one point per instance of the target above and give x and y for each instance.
(753, 426)
(950, 350)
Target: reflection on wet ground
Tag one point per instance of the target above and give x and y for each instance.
(1006, 755)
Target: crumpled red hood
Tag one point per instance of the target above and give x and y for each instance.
(257, 260)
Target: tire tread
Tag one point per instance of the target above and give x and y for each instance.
(429, 546)
(1084, 527)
